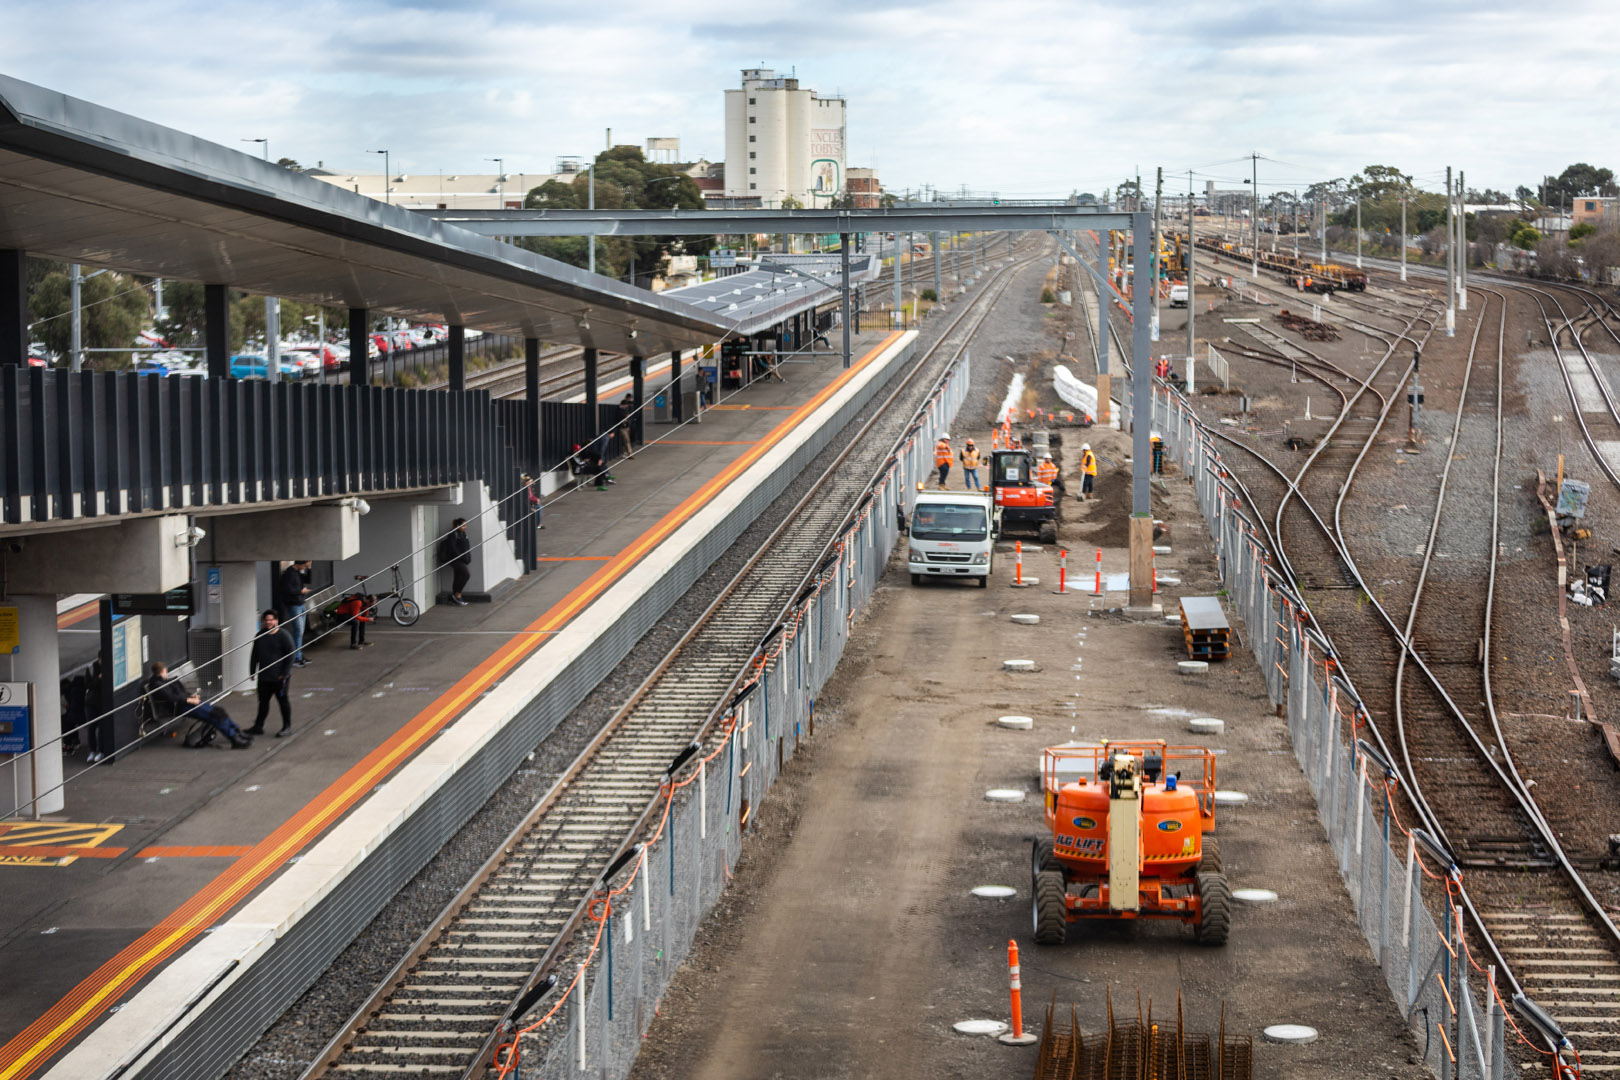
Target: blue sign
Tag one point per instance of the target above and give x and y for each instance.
(214, 576)
(16, 734)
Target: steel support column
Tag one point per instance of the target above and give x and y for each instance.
(13, 307)
(1141, 532)
(674, 390)
(590, 390)
(638, 397)
(843, 260)
(458, 358)
(939, 285)
(531, 405)
(359, 346)
(217, 330)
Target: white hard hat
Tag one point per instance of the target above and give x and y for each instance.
(945, 437)
(1047, 457)
(1085, 446)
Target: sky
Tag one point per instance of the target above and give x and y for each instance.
(1025, 98)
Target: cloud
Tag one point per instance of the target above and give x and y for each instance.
(1027, 97)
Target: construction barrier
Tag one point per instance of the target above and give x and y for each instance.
(1426, 963)
(641, 930)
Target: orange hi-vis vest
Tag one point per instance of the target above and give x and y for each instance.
(1088, 462)
(1046, 472)
(942, 453)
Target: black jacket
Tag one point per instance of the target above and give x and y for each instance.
(292, 587)
(171, 691)
(456, 549)
(272, 656)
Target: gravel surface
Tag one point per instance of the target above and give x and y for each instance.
(286, 1049)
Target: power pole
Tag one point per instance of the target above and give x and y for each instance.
(1450, 259)
(1153, 267)
(1192, 301)
(1403, 236)
(75, 288)
(1358, 230)
(1324, 228)
(590, 263)
(1296, 227)
(1462, 241)
(1254, 182)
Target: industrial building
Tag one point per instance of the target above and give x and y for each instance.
(783, 142)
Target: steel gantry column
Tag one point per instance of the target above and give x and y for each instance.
(458, 357)
(531, 405)
(1141, 534)
(674, 390)
(843, 262)
(939, 280)
(359, 346)
(590, 392)
(1192, 288)
(638, 397)
(13, 307)
(217, 331)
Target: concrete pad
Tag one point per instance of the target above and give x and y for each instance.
(1297, 1034)
(979, 1027)
(995, 892)
(1004, 795)
(1017, 723)
(1026, 620)
(1018, 665)
(1192, 667)
(1206, 725)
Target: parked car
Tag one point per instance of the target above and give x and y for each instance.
(254, 366)
(382, 343)
(305, 357)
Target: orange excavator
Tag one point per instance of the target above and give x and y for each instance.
(1022, 502)
(1129, 824)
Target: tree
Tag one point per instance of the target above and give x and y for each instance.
(1523, 235)
(1381, 181)
(625, 180)
(1581, 179)
(1581, 231)
(790, 203)
(113, 309)
(289, 163)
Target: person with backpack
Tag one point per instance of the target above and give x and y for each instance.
(455, 551)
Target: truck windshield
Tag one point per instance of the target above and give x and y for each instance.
(933, 521)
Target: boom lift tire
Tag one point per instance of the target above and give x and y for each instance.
(1215, 920)
(1209, 861)
(1048, 533)
(1042, 859)
(1051, 915)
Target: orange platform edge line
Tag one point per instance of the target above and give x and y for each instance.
(70, 1015)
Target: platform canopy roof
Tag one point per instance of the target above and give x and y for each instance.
(87, 184)
(779, 288)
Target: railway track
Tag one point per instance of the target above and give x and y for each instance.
(438, 1012)
(1533, 912)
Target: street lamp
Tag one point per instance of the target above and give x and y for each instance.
(266, 144)
(500, 181)
(388, 176)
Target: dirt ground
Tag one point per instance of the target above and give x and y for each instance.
(849, 941)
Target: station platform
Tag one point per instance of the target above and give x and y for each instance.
(176, 871)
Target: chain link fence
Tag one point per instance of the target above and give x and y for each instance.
(634, 941)
(1426, 963)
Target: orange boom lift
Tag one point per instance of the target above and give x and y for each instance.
(1130, 824)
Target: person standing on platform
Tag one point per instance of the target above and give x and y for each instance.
(626, 411)
(942, 459)
(970, 466)
(271, 663)
(455, 551)
(295, 596)
(1088, 470)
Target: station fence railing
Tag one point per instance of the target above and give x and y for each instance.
(614, 988)
(1426, 963)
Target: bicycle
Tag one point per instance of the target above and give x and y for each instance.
(403, 611)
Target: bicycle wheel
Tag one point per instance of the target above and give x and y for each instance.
(406, 612)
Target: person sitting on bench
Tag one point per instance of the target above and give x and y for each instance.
(173, 693)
